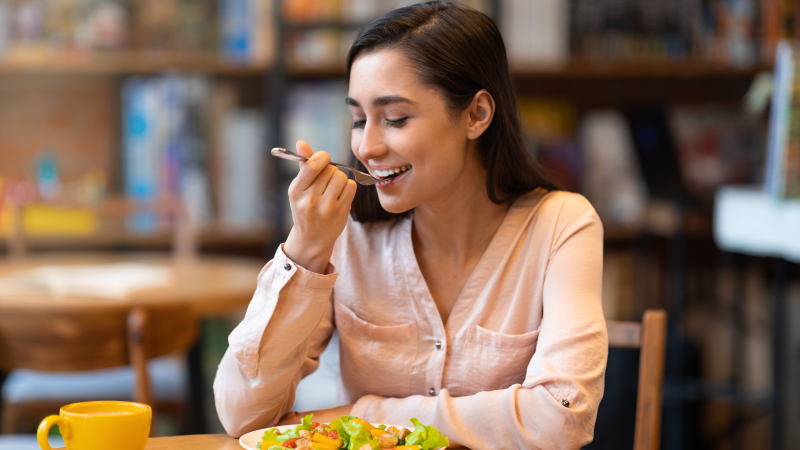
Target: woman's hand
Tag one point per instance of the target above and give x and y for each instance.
(320, 197)
(321, 416)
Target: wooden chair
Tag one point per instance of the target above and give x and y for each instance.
(79, 341)
(651, 337)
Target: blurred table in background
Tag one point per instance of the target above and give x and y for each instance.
(209, 286)
(747, 220)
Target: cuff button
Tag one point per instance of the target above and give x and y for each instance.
(565, 402)
(287, 267)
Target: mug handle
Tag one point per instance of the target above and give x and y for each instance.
(44, 430)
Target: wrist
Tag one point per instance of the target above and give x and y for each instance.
(311, 256)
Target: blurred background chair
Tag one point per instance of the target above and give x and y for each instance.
(63, 354)
(650, 336)
(65, 357)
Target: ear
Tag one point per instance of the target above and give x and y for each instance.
(481, 112)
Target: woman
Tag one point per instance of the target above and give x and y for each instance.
(465, 292)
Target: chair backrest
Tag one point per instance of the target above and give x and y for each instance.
(75, 340)
(651, 337)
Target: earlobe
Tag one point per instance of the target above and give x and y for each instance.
(481, 113)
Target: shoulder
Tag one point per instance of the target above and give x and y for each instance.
(565, 206)
(561, 213)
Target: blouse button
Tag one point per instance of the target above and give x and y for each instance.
(432, 391)
(565, 402)
(287, 267)
(438, 345)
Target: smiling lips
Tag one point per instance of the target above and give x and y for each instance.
(391, 173)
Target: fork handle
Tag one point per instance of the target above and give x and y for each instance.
(286, 154)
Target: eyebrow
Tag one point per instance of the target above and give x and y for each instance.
(382, 101)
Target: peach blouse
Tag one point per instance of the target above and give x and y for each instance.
(520, 363)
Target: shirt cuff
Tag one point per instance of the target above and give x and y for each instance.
(362, 406)
(300, 275)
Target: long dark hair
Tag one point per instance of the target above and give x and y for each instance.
(460, 51)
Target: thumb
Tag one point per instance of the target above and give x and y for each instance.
(304, 149)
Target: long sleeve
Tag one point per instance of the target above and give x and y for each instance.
(288, 324)
(568, 365)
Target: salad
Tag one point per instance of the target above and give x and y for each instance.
(352, 433)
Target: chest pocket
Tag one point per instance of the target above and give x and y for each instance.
(374, 359)
(495, 360)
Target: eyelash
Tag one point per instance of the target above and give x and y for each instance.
(392, 123)
(397, 123)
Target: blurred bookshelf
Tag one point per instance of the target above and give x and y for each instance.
(128, 63)
(270, 54)
(582, 69)
(579, 68)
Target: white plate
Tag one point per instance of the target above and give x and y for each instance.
(251, 439)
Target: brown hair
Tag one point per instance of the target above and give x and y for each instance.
(460, 51)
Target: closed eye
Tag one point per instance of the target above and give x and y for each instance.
(359, 124)
(397, 123)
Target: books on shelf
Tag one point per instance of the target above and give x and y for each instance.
(628, 29)
(247, 30)
(717, 145)
(549, 128)
(241, 30)
(5, 25)
(315, 113)
(782, 167)
(164, 145)
(242, 199)
(613, 181)
(536, 31)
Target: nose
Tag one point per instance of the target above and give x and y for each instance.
(372, 145)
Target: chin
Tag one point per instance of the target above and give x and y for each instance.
(396, 205)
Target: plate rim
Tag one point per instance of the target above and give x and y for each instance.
(283, 428)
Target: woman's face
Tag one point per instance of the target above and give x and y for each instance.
(403, 127)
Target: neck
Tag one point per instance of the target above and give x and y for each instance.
(461, 222)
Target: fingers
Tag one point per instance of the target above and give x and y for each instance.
(349, 192)
(303, 149)
(335, 186)
(310, 170)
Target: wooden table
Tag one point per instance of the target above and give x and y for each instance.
(209, 286)
(196, 442)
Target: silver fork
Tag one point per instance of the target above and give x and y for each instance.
(360, 177)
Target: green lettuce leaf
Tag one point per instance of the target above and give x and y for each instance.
(273, 436)
(277, 447)
(353, 435)
(428, 437)
(305, 424)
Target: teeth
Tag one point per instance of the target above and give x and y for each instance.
(390, 172)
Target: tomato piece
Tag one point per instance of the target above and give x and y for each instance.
(291, 443)
(314, 424)
(333, 434)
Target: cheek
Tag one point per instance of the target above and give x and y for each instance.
(355, 142)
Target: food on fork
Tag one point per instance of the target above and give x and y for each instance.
(352, 433)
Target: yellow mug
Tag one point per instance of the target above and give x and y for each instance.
(101, 425)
